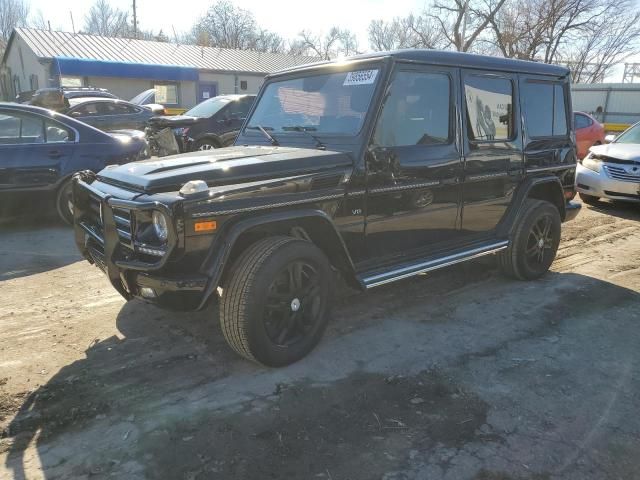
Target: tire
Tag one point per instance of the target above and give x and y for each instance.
(526, 258)
(64, 204)
(589, 199)
(266, 314)
(205, 144)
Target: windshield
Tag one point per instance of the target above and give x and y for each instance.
(141, 97)
(208, 108)
(330, 103)
(630, 136)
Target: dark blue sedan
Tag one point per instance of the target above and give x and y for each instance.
(41, 149)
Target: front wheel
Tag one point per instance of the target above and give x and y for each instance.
(275, 303)
(64, 202)
(534, 242)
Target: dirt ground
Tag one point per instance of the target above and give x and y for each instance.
(460, 374)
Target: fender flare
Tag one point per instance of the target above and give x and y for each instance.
(220, 250)
(523, 192)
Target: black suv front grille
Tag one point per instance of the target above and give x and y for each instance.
(122, 217)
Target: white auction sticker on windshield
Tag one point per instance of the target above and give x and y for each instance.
(361, 77)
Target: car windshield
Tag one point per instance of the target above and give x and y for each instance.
(329, 103)
(632, 135)
(208, 108)
(141, 97)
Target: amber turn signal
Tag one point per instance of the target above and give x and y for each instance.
(208, 226)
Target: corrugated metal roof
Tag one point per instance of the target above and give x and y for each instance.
(49, 44)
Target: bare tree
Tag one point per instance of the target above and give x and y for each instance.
(13, 13)
(107, 21)
(228, 26)
(462, 22)
(405, 32)
(335, 43)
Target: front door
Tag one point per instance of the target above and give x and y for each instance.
(414, 166)
(206, 90)
(493, 150)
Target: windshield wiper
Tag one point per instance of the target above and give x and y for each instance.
(303, 129)
(273, 141)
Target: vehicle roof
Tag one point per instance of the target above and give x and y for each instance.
(454, 59)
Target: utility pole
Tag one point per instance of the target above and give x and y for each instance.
(135, 20)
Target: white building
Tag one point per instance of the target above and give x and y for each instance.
(182, 75)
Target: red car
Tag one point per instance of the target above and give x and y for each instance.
(589, 132)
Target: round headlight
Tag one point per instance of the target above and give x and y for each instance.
(160, 226)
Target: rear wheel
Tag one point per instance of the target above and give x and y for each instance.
(534, 241)
(589, 199)
(64, 202)
(275, 303)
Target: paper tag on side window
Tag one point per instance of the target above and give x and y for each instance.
(361, 77)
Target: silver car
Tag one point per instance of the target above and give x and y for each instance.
(613, 170)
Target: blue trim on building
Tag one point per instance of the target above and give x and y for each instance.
(101, 68)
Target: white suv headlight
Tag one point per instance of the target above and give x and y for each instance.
(160, 226)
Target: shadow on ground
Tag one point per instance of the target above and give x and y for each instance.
(33, 244)
(142, 404)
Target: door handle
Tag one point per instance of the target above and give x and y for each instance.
(55, 153)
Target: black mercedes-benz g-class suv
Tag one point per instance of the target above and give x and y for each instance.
(373, 169)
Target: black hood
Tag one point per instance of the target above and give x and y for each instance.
(224, 166)
(173, 121)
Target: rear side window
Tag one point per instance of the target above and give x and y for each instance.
(581, 121)
(489, 103)
(20, 129)
(544, 109)
(417, 112)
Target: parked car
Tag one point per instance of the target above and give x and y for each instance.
(375, 168)
(57, 98)
(108, 113)
(589, 132)
(41, 149)
(214, 123)
(613, 170)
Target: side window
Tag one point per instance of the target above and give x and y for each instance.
(489, 104)
(85, 110)
(544, 109)
(20, 129)
(581, 121)
(238, 109)
(417, 112)
(57, 133)
(118, 109)
(559, 111)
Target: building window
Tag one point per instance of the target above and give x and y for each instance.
(243, 84)
(71, 81)
(167, 94)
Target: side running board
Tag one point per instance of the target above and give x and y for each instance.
(427, 265)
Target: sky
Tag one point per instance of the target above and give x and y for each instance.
(287, 18)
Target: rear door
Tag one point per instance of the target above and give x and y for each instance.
(33, 151)
(492, 149)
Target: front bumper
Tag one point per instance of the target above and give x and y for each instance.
(104, 229)
(602, 185)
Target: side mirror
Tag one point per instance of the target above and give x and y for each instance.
(610, 138)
